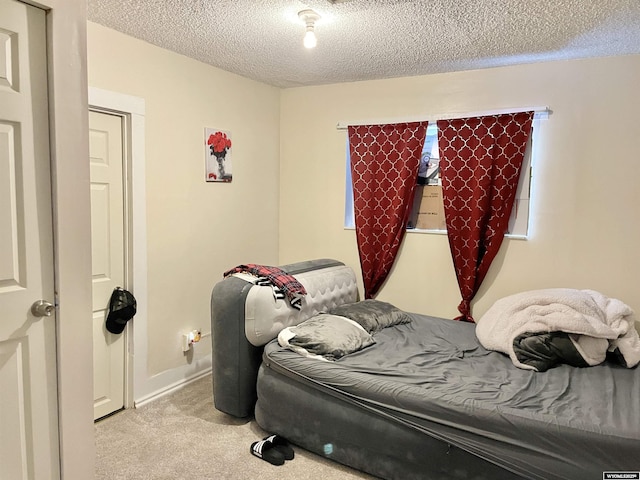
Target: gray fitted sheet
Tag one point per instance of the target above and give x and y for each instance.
(432, 375)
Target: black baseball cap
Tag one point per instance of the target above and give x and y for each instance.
(122, 308)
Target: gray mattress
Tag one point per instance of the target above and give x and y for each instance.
(431, 379)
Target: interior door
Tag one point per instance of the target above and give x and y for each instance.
(108, 257)
(28, 389)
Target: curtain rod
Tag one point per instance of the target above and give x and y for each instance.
(540, 113)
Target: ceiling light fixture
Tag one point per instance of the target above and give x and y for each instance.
(309, 17)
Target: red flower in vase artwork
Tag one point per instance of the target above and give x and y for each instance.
(219, 144)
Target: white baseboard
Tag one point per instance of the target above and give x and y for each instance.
(166, 382)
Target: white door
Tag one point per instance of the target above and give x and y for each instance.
(28, 388)
(108, 257)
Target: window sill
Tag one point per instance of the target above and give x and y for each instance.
(423, 230)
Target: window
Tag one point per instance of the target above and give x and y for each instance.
(428, 175)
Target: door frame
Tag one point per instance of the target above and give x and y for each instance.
(132, 110)
(69, 148)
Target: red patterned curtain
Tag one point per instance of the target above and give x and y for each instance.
(480, 162)
(384, 168)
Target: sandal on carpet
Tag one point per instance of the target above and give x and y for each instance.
(281, 446)
(266, 450)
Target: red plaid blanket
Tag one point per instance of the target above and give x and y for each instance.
(292, 289)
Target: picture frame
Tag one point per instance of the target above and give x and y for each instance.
(218, 153)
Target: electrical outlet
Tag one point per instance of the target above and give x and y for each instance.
(186, 343)
(189, 339)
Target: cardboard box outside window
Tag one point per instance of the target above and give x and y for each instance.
(428, 208)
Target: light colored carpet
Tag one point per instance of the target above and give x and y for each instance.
(182, 436)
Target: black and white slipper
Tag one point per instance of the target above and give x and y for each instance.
(282, 446)
(266, 450)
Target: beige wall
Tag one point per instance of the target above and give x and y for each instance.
(287, 151)
(195, 230)
(585, 223)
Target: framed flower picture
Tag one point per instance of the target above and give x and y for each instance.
(218, 165)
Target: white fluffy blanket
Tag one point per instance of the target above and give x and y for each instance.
(598, 323)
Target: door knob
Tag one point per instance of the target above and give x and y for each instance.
(42, 308)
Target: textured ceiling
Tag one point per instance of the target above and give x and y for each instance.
(373, 39)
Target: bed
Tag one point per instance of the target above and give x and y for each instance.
(425, 400)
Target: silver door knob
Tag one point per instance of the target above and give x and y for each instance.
(42, 308)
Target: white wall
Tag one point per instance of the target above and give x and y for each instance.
(585, 222)
(288, 151)
(195, 230)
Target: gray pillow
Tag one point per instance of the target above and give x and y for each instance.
(325, 335)
(373, 315)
